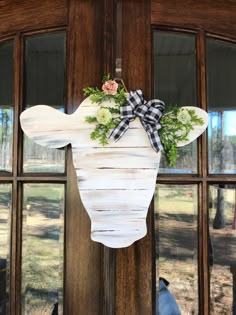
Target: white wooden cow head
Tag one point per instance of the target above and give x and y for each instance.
(117, 181)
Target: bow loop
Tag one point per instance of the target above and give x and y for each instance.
(155, 111)
(149, 114)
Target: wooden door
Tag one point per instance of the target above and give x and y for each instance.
(124, 38)
(50, 50)
(154, 35)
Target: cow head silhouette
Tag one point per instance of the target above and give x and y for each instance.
(117, 181)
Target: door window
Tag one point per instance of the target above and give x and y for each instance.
(32, 181)
(180, 199)
(175, 84)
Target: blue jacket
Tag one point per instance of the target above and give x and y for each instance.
(166, 304)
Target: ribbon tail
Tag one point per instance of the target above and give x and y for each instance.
(153, 136)
(155, 141)
(120, 130)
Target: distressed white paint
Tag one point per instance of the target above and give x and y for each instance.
(116, 182)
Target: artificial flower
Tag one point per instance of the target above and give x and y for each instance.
(183, 116)
(104, 116)
(110, 87)
(109, 104)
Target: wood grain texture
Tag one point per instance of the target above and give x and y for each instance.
(134, 265)
(212, 16)
(83, 269)
(25, 15)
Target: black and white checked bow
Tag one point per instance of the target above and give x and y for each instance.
(149, 114)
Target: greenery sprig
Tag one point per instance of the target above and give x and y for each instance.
(109, 99)
(175, 127)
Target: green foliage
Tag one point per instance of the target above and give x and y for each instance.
(90, 119)
(174, 130)
(101, 132)
(98, 96)
(175, 125)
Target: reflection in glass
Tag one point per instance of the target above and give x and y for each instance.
(5, 225)
(221, 78)
(175, 84)
(6, 105)
(176, 243)
(42, 248)
(222, 211)
(44, 84)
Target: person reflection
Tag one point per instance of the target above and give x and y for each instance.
(166, 304)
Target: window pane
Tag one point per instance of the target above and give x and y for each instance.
(44, 84)
(221, 78)
(42, 248)
(222, 210)
(175, 84)
(6, 105)
(5, 226)
(176, 245)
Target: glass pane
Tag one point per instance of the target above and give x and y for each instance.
(221, 78)
(222, 211)
(176, 247)
(6, 105)
(44, 84)
(42, 249)
(5, 226)
(175, 84)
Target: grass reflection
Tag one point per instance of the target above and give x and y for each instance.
(5, 226)
(176, 244)
(42, 262)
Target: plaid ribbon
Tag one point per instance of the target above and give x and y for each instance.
(149, 114)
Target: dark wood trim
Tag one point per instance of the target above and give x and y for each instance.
(213, 179)
(155, 254)
(203, 237)
(13, 290)
(83, 268)
(108, 280)
(200, 72)
(204, 285)
(18, 16)
(17, 102)
(225, 38)
(7, 38)
(110, 35)
(19, 136)
(15, 213)
(43, 31)
(200, 252)
(108, 254)
(134, 268)
(18, 280)
(171, 28)
(202, 101)
(218, 16)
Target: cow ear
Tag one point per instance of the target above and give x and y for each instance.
(46, 126)
(197, 129)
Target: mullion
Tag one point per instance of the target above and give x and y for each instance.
(15, 244)
(203, 237)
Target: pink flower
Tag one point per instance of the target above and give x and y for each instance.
(110, 87)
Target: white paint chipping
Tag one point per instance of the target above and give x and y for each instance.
(116, 182)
